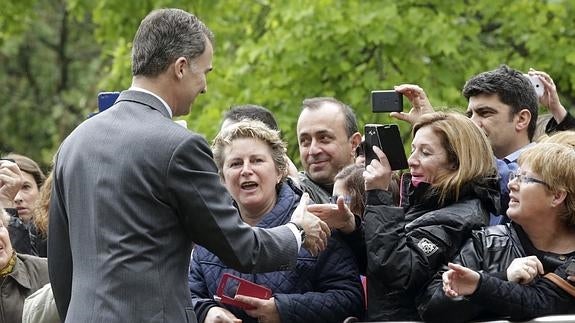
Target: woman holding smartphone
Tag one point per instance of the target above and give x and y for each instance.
(450, 191)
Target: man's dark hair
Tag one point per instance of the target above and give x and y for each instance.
(512, 88)
(253, 112)
(350, 119)
(163, 36)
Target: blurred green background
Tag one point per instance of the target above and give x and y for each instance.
(56, 55)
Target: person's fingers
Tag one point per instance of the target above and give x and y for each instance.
(523, 276)
(454, 266)
(382, 157)
(304, 200)
(252, 301)
(446, 277)
(341, 203)
(400, 116)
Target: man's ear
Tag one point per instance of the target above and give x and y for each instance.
(180, 66)
(523, 119)
(355, 141)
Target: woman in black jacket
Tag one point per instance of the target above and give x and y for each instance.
(451, 189)
(539, 240)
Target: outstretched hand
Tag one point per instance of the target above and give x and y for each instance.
(337, 216)
(459, 281)
(420, 104)
(316, 231)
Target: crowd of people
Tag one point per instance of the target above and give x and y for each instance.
(139, 219)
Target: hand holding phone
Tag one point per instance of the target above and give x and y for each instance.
(231, 285)
(388, 139)
(537, 84)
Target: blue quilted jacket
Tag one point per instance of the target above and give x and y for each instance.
(326, 288)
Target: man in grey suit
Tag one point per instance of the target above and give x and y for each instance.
(133, 190)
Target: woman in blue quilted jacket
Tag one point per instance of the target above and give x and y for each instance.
(324, 288)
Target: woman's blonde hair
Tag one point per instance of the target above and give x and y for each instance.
(467, 150)
(562, 137)
(251, 129)
(555, 164)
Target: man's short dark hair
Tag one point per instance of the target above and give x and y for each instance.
(163, 36)
(512, 88)
(350, 119)
(253, 112)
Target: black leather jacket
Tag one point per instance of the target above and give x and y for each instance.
(407, 245)
(490, 250)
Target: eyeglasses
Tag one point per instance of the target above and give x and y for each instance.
(526, 179)
(346, 199)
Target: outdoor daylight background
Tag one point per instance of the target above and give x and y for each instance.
(56, 55)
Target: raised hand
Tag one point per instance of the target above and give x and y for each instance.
(316, 231)
(420, 104)
(524, 270)
(550, 98)
(11, 181)
(377, 174)
(459, 281)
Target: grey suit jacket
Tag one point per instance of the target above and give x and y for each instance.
(132, 192)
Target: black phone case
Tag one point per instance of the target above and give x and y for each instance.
(387, 138)
(386, 101)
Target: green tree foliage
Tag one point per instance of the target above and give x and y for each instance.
(48, 67)
(276, 53)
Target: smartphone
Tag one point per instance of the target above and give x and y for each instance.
(106, 100)
(571, 268)
(537, 84)
(231, 285)
(386, 101)
(388, 139)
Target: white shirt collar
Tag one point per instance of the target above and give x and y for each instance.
(139, 89)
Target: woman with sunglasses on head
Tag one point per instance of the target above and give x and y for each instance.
(540, 239)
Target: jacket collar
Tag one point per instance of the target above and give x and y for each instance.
(287, 201)
(19, 273)
(146, 99)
